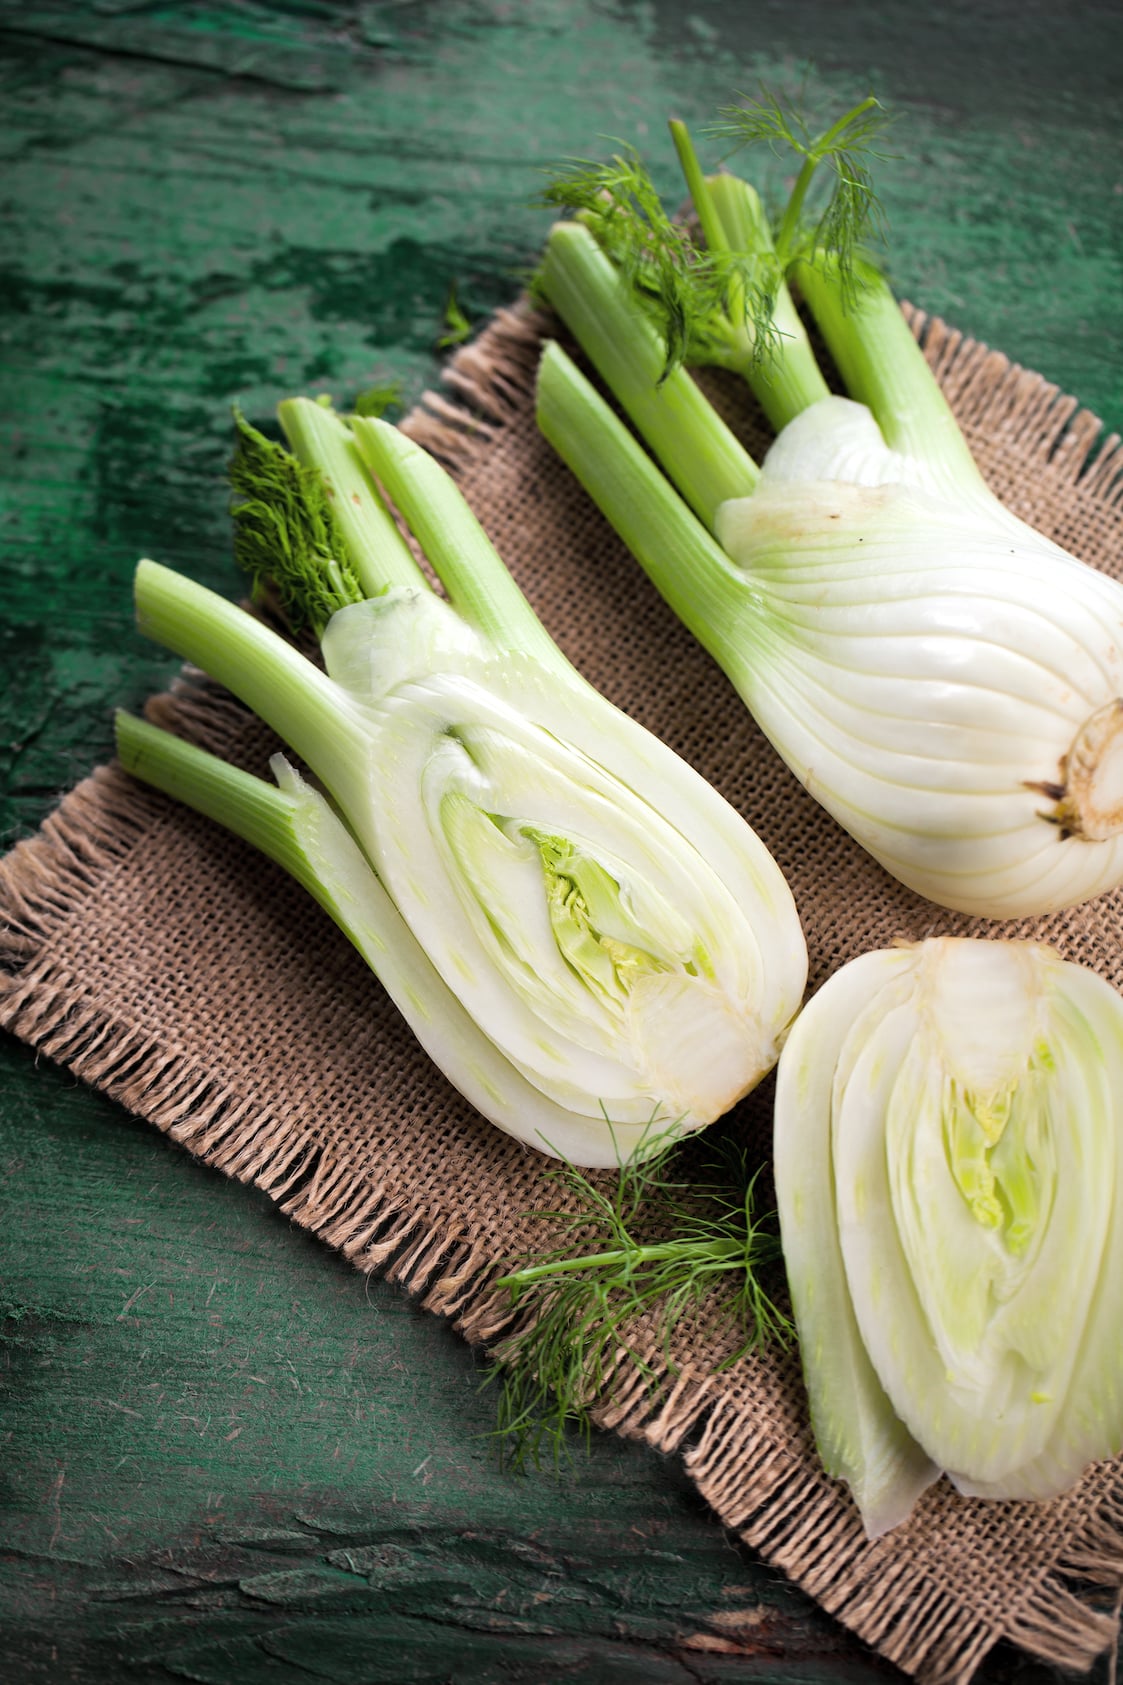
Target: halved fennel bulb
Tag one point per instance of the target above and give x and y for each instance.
(945, 680)
(612, 926)
(594, 946)
(949, 1171)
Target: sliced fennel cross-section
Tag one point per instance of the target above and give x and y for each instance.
(949, 1176)
(589, 941)
(946, 681)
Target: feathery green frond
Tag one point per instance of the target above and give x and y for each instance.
(458, 328)
(376, 401)
(762, 120)
(704, 302)
(647, 1244)
(285, 534)
(851, 217)
(618, 202)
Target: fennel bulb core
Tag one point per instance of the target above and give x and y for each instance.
(981, 1008)
(946, 681)
(949, 1163)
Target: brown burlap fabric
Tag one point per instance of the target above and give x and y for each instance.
(161, 960)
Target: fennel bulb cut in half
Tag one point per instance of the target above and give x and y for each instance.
(590, 942)
(944, 680)
(949, 1174)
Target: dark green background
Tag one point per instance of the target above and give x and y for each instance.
(226, 1456)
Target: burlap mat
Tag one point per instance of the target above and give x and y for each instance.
(162, 961)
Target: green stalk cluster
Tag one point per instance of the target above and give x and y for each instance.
(726, 304)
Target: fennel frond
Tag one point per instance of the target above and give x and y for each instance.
(375, 402)
(286, 536)
(852, 216)
(706, 301)
(652, 1245)
(458, 328)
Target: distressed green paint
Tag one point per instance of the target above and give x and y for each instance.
(225, 1454)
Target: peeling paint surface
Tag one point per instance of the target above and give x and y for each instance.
(227, 1457)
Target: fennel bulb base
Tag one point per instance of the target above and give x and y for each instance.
(1089, 797)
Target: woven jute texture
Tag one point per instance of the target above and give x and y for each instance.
(164, 962)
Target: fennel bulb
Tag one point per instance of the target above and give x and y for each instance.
(949, 1174)
(946, 681)
(594, 947)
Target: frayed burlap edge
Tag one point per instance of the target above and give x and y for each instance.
(777, 1503)
(784, 1508)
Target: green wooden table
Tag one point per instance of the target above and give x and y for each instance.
(226, 1456)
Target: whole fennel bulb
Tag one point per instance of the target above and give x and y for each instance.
(947, 682)
(944, 679)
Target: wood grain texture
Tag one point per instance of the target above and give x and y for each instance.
(227, 1457)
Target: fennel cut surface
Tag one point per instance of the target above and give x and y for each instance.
(949, 1172)
(588, 940)
(944, 680)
